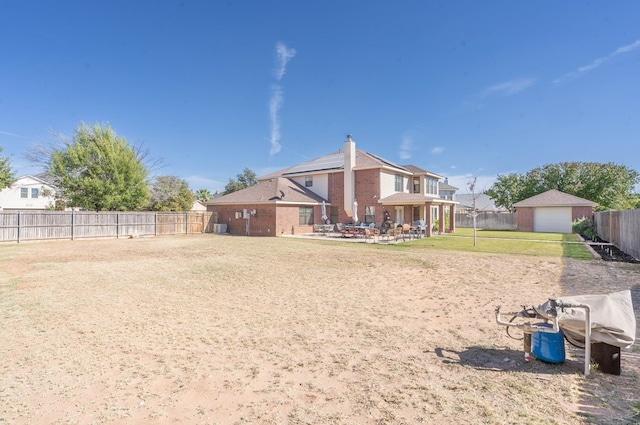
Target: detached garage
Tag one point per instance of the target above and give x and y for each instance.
(551, 211)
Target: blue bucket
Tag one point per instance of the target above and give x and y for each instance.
(548, 347)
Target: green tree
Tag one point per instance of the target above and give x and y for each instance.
(246, 179)
(6, 173)
(203, 195)
(98, 170)
(171, 193)
(610, 185)
(507, 190)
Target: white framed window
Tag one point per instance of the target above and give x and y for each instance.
(308, 181)
(24, 192)
(369, 214)
(431, 185)
(305, 216)
(398, 183)
(399, 215)
(34, 192)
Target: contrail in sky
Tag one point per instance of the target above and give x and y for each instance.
(599, 61)
(284, 55)
(274, 106)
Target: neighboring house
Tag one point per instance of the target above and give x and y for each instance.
(198, 206)
(447, 191)
(30, 192)
(342, 187)
(551, 211)
(483, 202)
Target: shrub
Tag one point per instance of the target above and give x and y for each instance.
(584, 227)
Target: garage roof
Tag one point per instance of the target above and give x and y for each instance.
(555, 198)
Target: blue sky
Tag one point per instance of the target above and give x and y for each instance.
(460, 88)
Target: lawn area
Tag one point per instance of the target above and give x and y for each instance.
(509, 242)
(217, 329)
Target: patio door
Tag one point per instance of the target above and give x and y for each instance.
(399, 219)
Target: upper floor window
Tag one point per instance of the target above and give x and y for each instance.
(416, 185)
(34, 192)
(308, 181)
(432, 186)
(398, 183)
(24, 192)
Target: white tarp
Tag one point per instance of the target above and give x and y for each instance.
(612, 318)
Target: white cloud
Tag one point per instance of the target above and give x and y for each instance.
(284, 56)
(406, 147)
(274, 107)
(599, 61)
(437, 150)
(508, 88)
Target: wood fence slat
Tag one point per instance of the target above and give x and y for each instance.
(17, 226)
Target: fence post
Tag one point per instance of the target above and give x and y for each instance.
(187, 229)
(19, 215)
(155, 223)
(73, 222)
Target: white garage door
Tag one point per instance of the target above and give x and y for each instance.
(552, 219)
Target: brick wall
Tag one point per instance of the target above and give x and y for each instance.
(368, 193)
(524, 219)
(579, 212)
(260, 224)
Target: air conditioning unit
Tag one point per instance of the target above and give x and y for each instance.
(219, 228)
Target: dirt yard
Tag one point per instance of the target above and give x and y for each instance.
(211, 329)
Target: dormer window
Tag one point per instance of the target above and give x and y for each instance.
(308, 181)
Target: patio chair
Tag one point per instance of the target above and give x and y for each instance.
(406, 230)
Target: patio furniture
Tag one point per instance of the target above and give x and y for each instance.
(419, 228)
(406, 231)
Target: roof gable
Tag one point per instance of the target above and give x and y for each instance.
(275, 190)
(555, 198)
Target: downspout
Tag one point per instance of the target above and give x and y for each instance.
(349, 177)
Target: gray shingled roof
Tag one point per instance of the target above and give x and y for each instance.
(413, 198)
(334, 162)
(555, 198)
(275, 190)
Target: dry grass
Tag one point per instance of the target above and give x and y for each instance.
(210, 329)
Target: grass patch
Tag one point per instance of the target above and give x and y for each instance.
(507, 242)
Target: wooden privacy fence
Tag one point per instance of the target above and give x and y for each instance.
(18, 226)
(488, 220)
(621, 228)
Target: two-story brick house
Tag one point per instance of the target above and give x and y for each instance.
(340, 187)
